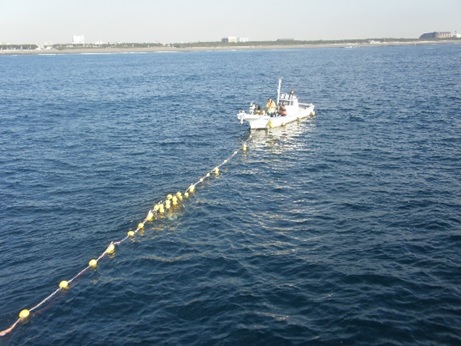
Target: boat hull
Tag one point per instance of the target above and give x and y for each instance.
(262, 122)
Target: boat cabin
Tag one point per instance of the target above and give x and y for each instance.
(288, 100)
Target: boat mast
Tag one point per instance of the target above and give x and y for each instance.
(278, 90)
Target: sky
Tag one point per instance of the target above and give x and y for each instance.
(173, 21)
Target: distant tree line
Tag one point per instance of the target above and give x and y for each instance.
(284, 42)
(18, 46)
(122, 45)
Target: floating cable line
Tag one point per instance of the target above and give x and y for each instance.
(171, 202)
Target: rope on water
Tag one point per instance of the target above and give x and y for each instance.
(157, 211)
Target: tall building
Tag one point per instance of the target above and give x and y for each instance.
(78, 39)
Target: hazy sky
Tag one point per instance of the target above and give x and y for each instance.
(56, 21)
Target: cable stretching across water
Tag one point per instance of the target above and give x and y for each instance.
(159, 209)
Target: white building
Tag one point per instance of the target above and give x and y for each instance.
(230, 39)
(78, 39)
(233, 39)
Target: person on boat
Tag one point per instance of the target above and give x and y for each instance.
(282, 110)
(271, 107)
(292, 96)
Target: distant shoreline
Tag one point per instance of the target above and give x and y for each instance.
(198, 48)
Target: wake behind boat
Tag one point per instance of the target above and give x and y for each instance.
(285, 110)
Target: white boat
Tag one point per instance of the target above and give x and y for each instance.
(289, 109)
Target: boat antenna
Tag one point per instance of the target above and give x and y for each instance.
(278, 90)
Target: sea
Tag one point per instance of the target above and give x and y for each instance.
(341, 229)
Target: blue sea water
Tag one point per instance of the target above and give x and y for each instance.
(344, 229)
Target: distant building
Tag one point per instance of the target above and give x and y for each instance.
(435, 35)
(230, 39)
(233, 39)
(78, 39)
(456, 35)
